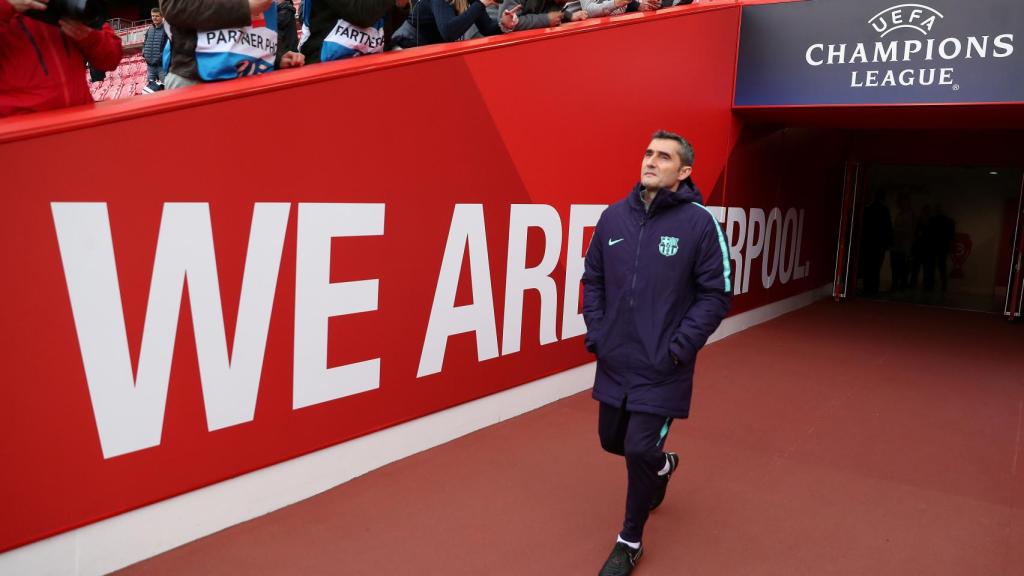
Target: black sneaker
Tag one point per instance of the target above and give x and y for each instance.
(621, 561)
(151, 87)
(659, 496)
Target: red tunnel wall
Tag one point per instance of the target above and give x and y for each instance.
(785, 168)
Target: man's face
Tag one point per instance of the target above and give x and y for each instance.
(158, 20)
(662, 166)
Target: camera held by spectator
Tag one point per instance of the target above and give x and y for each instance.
(81, 10)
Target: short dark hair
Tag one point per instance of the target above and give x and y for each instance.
(155, 10)
(685, 149)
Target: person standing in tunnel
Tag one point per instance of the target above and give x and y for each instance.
(876, 239)
(920, 254)
(942, 231)
(902, 244)
(656, 284)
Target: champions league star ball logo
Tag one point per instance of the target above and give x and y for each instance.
(915, 16)
(669, 246)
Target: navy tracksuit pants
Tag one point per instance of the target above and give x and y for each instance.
(640, 438)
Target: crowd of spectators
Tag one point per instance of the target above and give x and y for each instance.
(195, 41)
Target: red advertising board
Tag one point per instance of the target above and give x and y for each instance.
(205, 283)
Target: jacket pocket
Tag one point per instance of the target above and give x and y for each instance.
(665, 365)
(601, 343)
(592, 339)
(680, 352)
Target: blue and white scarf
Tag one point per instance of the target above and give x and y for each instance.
(234, 52)
(348, 40)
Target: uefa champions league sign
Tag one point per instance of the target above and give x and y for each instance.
(821, 52)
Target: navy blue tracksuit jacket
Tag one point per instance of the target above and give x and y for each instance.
(656, 284)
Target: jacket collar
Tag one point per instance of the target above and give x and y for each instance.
(665, 198)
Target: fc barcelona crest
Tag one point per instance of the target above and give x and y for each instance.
(669, 246)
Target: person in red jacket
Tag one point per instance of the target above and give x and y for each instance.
(42, 66)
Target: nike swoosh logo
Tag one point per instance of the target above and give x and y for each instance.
(614, 242)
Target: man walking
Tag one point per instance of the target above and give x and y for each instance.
(656, 285)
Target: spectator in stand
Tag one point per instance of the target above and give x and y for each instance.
(397, 14)
(340, 29)
(435, 21)
(153, 52)
(287, 28)
(42, 65)
(600, 8)
(239, 38)
(541, 13)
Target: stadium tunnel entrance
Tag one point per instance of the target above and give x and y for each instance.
(927, 200)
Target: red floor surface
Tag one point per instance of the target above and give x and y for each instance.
(855, 439)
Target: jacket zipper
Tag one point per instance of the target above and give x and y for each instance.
(636, 261)
(32, 41)
(60, 70)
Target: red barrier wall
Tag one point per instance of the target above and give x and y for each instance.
(402, 142)
(795, 173)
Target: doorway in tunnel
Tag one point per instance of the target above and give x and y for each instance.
(937, 235)
(965, 165)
